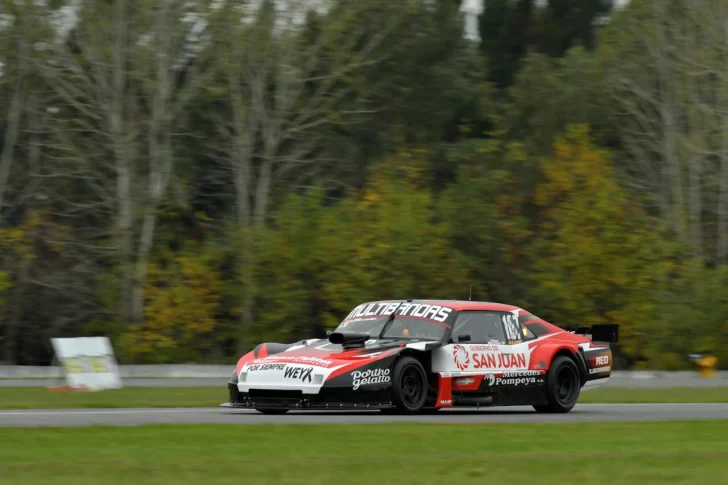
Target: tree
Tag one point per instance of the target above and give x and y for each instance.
(693, 316)
(596, 258)
(549, 94)
(291, 86)
(487, 209)
(123, 100)
(22, 24)
(386, 241)
(383, 241)
(512, 29)
(664, 65)
(182, 301)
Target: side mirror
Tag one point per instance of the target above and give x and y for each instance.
(464, 337)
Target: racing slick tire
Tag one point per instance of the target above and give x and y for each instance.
(271, 410)
(562, 386)
(409, 386)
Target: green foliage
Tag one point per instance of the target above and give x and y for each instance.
(5, 284)
(692, 316)
(596, 255)
(531, 166)
(385, 241)
(512, 29)
(183, 297)
(486, 210)
(550, 94)
(290, 271)
(382, 241)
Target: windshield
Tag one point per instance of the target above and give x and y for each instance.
(401, 327)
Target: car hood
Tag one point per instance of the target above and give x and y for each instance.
(308, 364)
(323, 353)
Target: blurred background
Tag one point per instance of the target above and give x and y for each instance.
(193, 178)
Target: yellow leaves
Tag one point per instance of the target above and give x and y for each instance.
(380, 242)
(182, 299)
(202, 216)
(38, 232)
(372, 197)
(593, 257)
(5, 284)
(14, 241)
(576, 165)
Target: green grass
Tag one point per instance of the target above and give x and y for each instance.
(128, 397)
(656, 395)
(624, 453)
(40, 398)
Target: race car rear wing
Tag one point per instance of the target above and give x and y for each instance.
(605, 332)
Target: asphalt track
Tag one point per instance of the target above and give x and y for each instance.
(581, 413)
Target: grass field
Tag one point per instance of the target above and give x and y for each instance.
(40, 398)
(630, 453)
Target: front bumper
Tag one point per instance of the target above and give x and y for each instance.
(327, 399)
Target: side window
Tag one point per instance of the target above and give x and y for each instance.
(484, 327)
(527, 334)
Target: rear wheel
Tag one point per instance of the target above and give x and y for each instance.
(563, 386)
(271, 410)
(409, 386)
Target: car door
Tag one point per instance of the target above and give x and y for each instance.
(483, 342)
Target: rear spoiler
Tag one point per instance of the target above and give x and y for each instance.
(605, 332)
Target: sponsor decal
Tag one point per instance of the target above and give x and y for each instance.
(602, 360)
(304, 375)
(599, 370)
(486, 357)
(514, 378)
(369, 377)
(316, 361)
(430, 312)
(484, 348)
(259, 367)
(445, 401)
(522, 373)
(498, 361)
(83, 364)
(461, 357)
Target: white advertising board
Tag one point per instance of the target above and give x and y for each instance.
(88, 362)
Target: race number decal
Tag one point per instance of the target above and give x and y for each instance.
(509, 322)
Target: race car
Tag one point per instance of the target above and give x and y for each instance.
(416, 356)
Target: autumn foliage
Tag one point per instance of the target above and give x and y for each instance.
(192, 180)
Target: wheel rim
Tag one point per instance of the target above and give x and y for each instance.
(567, 386)
(412, 387)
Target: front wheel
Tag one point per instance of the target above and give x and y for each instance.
(409, 385)
(563, 386)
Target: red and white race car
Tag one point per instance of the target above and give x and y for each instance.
(422, 355)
